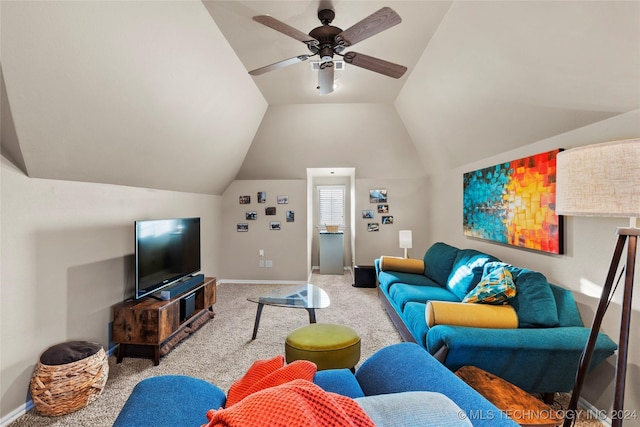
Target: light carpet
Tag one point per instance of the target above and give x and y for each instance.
(222, 350)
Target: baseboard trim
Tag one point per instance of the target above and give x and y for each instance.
(595, 412)
(262, 282)
(16, 413)
(275, 282)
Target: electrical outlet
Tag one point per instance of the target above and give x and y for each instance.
(269, 263)
(261, 263)
(261, 252)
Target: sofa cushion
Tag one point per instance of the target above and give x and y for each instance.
(467, 270)
(402, 293)
(472, 315)
(413, 408)
(341, 381)
(388, 278)
(405, 265)
(496, 287)
(438, 261)
(534, 301)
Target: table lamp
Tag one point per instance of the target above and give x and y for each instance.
(604, 180)
(405, 241)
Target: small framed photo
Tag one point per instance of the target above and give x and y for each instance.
(243, 227)
(283, 200)
(271, 210)
(373, 226)
(388, 219)
(291, 216)
(383, 208)
(262, 197)
(274, 225)
(251, 215)
(378, 196)
(367, 213)
(245, 200)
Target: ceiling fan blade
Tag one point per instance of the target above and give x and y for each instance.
(325, 78)
(371, 25)
(281, 64)
(375, 64)
(285, 29)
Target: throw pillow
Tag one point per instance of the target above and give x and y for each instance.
(534, 302)
(438, 261)
(413, 408)
(404, 265)
(472, 315)
(467, 270)
(496, 287)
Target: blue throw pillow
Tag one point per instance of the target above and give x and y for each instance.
(496, 287)
(534, 302)
(438, 261)
(467, 270)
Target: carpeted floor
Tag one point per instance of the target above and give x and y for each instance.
(222, 350)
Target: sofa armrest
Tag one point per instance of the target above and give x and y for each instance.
(408, 367)
(551, 355)
(170, 400)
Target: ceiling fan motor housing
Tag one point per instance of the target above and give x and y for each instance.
(326, 36)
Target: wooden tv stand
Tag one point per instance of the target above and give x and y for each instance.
(151, 328)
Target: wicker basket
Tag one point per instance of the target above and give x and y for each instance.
(62, 389)
(332, 228)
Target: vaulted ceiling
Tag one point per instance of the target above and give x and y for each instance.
(156, 93)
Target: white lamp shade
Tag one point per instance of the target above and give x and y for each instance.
(405, 239)
(599, 180)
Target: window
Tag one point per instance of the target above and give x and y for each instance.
(331, 204)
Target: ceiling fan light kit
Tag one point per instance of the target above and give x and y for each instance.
(327, 41)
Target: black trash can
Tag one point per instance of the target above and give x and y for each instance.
(364, 276)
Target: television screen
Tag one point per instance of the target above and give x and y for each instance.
(167, 250)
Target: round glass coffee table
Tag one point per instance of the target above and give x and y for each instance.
(305, 296)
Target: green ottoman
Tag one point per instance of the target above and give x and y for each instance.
(328, 345)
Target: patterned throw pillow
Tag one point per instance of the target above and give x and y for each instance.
(496, 287)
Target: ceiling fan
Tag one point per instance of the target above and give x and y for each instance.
(327, 41)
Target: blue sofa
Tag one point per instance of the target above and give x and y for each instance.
(541, 355)
(390, 373)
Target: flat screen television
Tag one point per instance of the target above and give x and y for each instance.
(167, 250)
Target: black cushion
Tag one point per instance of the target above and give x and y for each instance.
(69, 352)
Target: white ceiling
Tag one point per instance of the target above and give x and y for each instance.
(157, 94)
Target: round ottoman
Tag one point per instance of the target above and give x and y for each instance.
(68, 377)
(328, 345)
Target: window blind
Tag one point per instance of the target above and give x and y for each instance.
(331, 204)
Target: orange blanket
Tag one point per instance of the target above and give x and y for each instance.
(273, 394)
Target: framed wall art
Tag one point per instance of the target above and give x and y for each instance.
(513, 203)
(378, 196)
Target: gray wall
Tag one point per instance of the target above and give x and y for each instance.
(583, 268)
(67, 257)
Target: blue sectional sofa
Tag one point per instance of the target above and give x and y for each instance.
(541, 355)
(382, 386)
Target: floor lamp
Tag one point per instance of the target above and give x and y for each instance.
(604, 180)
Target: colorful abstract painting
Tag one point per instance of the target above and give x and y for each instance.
(514, 203)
